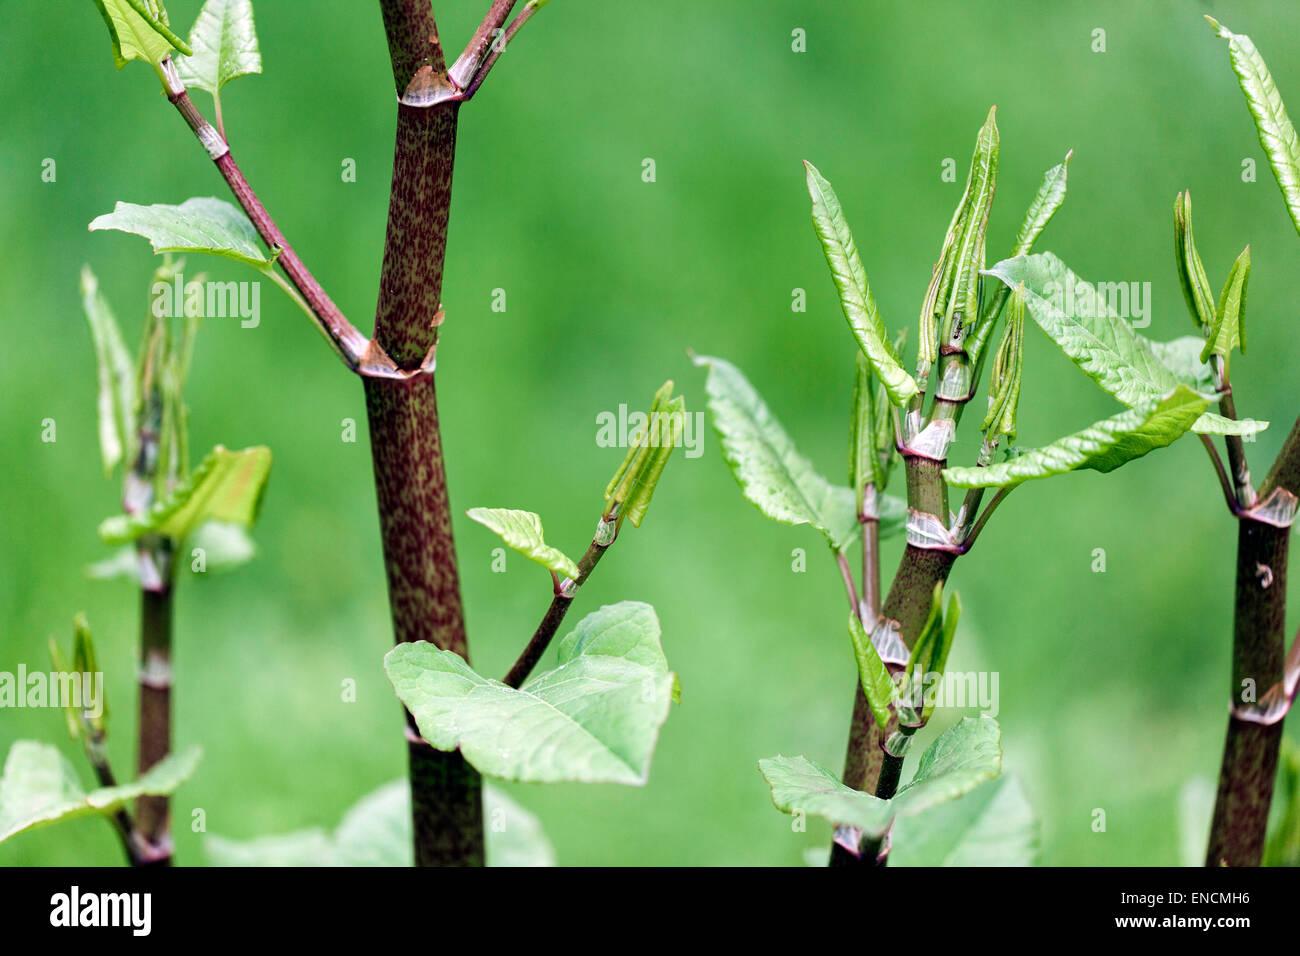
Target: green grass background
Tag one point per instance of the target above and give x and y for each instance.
(1113, 686)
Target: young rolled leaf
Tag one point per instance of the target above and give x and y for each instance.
(1229, 328)
(1102, 447)
(1276, 134)
(228, 486)
(855, 293)
(1079, 318)
(1048, 199)
(779, 481)
(1004, 382)
(522, 530)
(930, 652)
(376, 831)
(1191, 272)
(592, 719)
(993, 825)
(224, 42)
(116, 376)
(962, 308)
(138, 33)
(40, 787)
(963, 757)
(865, 467)
(877, 684)
(202, 224)
(633, 485)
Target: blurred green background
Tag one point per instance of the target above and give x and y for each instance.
(1113, 685)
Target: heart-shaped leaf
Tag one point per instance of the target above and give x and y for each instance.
(964, 756)
(376, 831)
(522, 530)
(594, 718)
(225, 46)
(40, 787)
(202, 224)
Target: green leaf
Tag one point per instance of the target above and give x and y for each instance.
(522, 530)
(228, 486)
(993, 825)
(116, 375)
(1048, 199)
(225, 46)
(633, 485)
(968, 254)
(963, 757)
(855, 293)
(593, 719)
(877, 684)
(864, 461)
(1008, 364)
(1119, 360)
(138, 33)
(376, 831)
(930, 652)
(39, 787)
(1229, 328)
(1182, 356)
(1102, 447)
(779, 481)
(1276, 134)
(1191, 271)
(203, 224)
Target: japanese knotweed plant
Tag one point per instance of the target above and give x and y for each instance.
(901, 638)
(175, 517)
(1264, 674)
(597, 714)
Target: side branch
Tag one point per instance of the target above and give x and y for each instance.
(351, 346)
(606, 533)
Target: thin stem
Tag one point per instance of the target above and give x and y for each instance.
(469, 63)
(847, 574)
(1225, 483)
(559, 607)
(871, 567)
(97, 754)
(969, 541)
(1236, 450)
(347, 342)
(498, 47)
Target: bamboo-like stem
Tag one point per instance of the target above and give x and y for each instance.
(559, 607)
(1250, 752)
(406, 443)
(870, 527)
